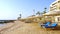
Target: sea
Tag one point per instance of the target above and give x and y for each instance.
(1, 25)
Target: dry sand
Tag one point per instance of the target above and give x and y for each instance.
(26, 28)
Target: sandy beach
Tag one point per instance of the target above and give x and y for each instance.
(25, 28)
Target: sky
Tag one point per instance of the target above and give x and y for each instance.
(10, 9)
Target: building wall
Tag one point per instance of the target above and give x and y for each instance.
(57, 18)
(55, 5)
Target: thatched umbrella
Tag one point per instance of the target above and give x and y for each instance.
(57, 12)
(52, 13)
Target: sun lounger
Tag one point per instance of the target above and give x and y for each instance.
(51, 26)
(48, 25)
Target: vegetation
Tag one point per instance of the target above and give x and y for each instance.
(28, 21)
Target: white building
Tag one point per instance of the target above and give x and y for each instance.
(54, 11)
(55, 5)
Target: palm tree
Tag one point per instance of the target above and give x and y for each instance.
(19, 17)
(38, 13)
(44, 10)
(33, 12)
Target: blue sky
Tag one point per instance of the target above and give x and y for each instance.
(10, 9)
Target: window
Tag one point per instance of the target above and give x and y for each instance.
(59, 7)
(54, 3)
(58, 1)
(58, 18)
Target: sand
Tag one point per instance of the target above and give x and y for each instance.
(26, 28)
